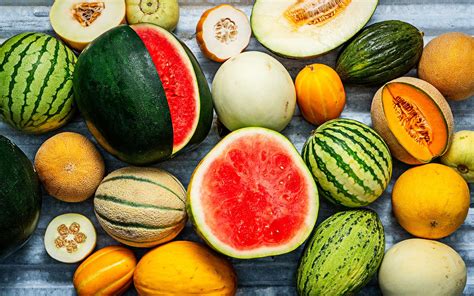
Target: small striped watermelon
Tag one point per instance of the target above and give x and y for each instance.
(349, 161)
(36, 93)
(141, 207)
(343, 254)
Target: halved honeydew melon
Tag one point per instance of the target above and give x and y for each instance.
(223, 32)
(70, 238)
(78, 22)
(308, 28)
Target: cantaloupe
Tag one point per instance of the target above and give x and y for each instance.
(413, 118)
(447, 63)
(141, 207)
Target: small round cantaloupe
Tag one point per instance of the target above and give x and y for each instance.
(448, 64)
(413, 118)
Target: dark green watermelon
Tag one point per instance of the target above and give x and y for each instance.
(142, 94)
(20, 198)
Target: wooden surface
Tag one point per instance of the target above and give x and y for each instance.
(31, 272)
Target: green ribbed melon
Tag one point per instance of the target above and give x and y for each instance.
(343, 254)
(141, 207)
(36, 93)
(349, 161)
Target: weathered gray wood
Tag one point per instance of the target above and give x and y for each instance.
(31, 272)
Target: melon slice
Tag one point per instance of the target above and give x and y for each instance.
(308, 28)
(223, 32)
(78, 22)
(252, 195)
(172, 62)
(70, 238)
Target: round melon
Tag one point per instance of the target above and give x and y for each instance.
(36, 94)
(308, 28)
(20, 198)
(413, 117)
(349, 161)
(163, 13)
(78, 22)
(150, 108)
(141, 207)
(252, 195)
(254, 89)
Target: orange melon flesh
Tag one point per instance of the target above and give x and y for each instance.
(415, 120)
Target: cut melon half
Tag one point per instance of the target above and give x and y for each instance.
(78, 22)
(223, 32)
(173, 65)
(253, 196)
(308, 28)
(70, 238)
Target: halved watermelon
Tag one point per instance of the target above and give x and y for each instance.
(252, 195)
(142, 93)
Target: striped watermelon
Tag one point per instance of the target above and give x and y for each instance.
(141, 207)
(36, 93)
(349, 161)
(343, 254)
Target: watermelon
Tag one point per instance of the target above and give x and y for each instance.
(20, 198)
(36, 94)
(349, 161)
(142, 94)
(252, 195)
(343, 254)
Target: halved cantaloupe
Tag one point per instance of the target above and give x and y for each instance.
(78, 22)
(413, 118)
(308, 28)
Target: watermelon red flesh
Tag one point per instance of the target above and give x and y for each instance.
(254, 195)
(178, 79)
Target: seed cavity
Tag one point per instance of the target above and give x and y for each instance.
(69, 237)
(314, 12)
(87, 12)
(413, 121)
(226, 30)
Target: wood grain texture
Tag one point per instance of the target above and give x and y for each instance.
(31, 271)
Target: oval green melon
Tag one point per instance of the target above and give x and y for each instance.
(141, 207)
(252, 195)
(349, 161)
(36, 94)
(20, 198)
(149, 108)
(343, 254)
(381, 52)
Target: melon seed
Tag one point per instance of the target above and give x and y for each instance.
(87, 12)
(314, 12)
(69, 237)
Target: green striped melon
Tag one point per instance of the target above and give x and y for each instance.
(349, 161)
(36, 93)
(141, 207)
(343, 254)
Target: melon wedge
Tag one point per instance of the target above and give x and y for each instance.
(78, 22)
(308, 28)
(252, 195)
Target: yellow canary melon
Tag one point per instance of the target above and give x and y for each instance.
(184, 268)
(447, 63)
(413, 118)
(141, 207)
(430, 201)
(69, 166)
(460, 155)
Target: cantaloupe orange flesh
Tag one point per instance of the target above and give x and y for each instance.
(415, 120)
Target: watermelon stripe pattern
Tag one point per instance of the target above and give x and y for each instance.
(36, 92)
(141, 207)
(349, 161)
(342, 255)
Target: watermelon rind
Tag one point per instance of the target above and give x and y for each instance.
(349, 161)
(196, 213)
(36, 94)
(342, 255)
